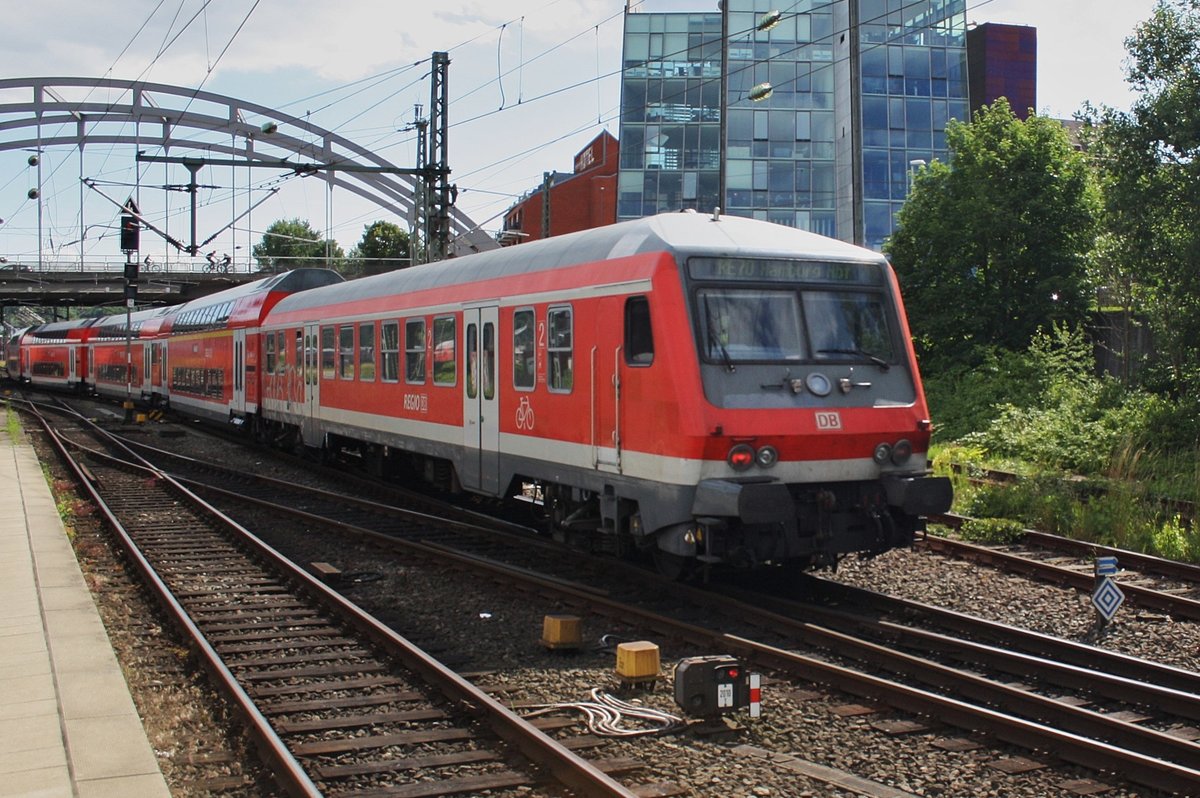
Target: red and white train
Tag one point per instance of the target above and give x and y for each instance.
(709, 389)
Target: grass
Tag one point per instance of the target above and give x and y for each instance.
(13, 423)
(1117, 509)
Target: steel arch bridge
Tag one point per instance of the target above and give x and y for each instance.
(42, 113)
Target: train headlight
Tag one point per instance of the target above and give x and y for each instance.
(766, 456)
(901, 451)
(883, 453)
(741, 457)
(818, 384)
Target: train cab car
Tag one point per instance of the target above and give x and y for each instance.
(12, 355)
(212, 348)
(121, 350)
(57, 354)
(712, 390)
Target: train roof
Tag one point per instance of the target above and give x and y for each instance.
(289, 281)
(682, 234)
(136, 317)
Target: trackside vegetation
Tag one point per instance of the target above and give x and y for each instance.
(1053, 289)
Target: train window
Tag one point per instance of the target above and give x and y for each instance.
(748, 324)
(524, 351)
(366, 352)
(281, 348)
(488, 372)
(270, 353)
(559, 350)
(389, 351)
(445, 357)
(850, 324)
(414, 351)
(346, 352)
(639, 339)
(298, 350)
(328, 354)
(472, 361)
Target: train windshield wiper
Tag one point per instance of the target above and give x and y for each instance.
(876, 359)
(714, 338)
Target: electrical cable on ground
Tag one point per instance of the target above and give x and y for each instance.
(607, 715)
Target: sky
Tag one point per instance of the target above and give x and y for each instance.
(531, 82)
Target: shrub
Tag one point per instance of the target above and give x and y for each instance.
(992, 530)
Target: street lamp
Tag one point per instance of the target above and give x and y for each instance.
(35, 160)
(915, 165)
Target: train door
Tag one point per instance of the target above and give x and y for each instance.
(73, 376)
(239, 371)
(311, 396)
(147, 368)
(162, 383)
(481, 401)
(605, 366)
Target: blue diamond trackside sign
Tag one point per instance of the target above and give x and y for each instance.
(1108, 598)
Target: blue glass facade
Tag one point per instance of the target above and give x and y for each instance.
(912, 79)
(670, 114)
(860, 89)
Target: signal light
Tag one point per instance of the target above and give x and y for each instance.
(741, 457)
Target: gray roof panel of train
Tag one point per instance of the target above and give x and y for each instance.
(294, 280)
(681, 233)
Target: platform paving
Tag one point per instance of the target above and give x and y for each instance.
(68, 726)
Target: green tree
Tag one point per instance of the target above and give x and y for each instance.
(1149, 162)
(292, 244)
(993, 246)
(383, 248)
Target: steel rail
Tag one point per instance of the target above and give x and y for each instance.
(566, 766)
(1087, 721)
(1144, 597)
(290, 773)
(1055, 649)
(1101, 756)
(1070, 746)
(1146, 563)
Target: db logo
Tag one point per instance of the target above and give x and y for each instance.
(829, 421)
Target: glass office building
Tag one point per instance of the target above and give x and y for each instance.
(859, 90)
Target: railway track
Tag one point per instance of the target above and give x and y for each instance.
(336, 702)
(1110, 733)
(1151, 583)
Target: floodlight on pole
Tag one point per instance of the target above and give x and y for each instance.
(769, 20)
(761, 92)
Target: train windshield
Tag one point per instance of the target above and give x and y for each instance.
(756, 325)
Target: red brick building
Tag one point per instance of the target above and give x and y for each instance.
(584, 199)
